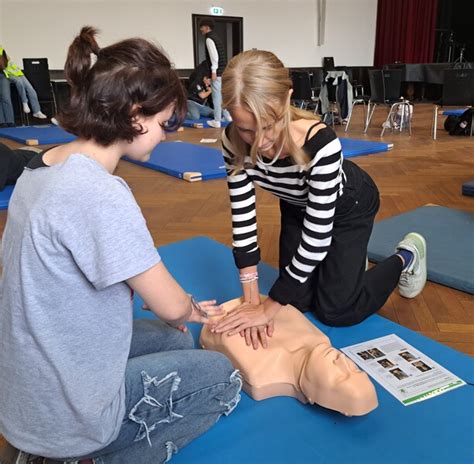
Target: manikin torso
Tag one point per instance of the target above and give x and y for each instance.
(299, 362)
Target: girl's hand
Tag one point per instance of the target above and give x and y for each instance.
(244, 317)
(255, 335)
(204, 310)
(208, 307)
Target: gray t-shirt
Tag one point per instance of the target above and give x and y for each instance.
(74, 234)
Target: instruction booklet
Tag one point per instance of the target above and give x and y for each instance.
(409, 375)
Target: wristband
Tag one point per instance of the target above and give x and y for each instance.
(197, 307)
(249, 277)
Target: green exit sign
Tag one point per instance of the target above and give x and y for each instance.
(217, 11)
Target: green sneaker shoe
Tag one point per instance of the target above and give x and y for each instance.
(413, 278)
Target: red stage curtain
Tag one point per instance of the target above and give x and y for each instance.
(405, 31)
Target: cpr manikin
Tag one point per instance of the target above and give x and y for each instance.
(299, 362)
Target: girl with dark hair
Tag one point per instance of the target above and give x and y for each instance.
(199, 90)
(80, 379)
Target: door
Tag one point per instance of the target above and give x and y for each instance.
(228, 28)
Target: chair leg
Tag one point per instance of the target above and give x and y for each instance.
(403, 115)
(53, 93)
(316, 108)
(349, 119)
(369, 115)
(435, 121)
(365, 112)
(410, 115)
(388, 118)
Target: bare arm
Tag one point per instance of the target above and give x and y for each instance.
(162, 294)
(250, 289)
(204, 94)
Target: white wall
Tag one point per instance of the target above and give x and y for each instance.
(34, 28)
(1, 22)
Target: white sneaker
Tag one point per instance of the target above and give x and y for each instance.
(40, 115)
(26, 108)
(413, 278)
(226, 115)
(54, 121)
(214, 123)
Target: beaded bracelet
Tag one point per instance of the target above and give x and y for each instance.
(249, 277)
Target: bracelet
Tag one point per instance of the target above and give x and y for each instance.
(197, 307)
(249, 277)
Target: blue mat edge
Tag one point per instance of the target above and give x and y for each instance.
(378, 147)
(17, 138)
(172, 172)
(5, 196)
(190, 123)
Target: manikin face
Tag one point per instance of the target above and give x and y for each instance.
(154, 127)
(246, 126)
(332, 380)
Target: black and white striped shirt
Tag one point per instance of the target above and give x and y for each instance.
(314, 187)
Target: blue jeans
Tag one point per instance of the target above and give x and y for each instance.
(6, 107)
(26, 92)
(216, 87)
(196, 110)
(174, 393)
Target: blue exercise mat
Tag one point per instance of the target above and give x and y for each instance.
(282, 430)
(186, 161)
(449, 235)
(5, 196)
(37, 135)
(354, 147)
(202, 123)
(457, 112)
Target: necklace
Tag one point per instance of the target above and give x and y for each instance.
(273, 161)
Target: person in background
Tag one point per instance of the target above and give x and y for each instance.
(199, 90)
(25, 89)
(217, 58)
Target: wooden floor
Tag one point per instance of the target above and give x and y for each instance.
(418, 171)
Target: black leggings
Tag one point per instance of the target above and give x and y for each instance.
(340, 291)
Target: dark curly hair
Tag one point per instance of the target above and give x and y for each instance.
(130, 78)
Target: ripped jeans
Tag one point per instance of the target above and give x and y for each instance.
(174, 393)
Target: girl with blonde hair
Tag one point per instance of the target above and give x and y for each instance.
(327, 203)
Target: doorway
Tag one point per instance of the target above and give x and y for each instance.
(228, 28)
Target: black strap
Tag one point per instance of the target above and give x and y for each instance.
(310, 129)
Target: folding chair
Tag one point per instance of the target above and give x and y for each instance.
(458, 90)
(303, 94)
(385, 89)
(37, 72)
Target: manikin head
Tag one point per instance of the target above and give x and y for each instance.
(332, 380)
